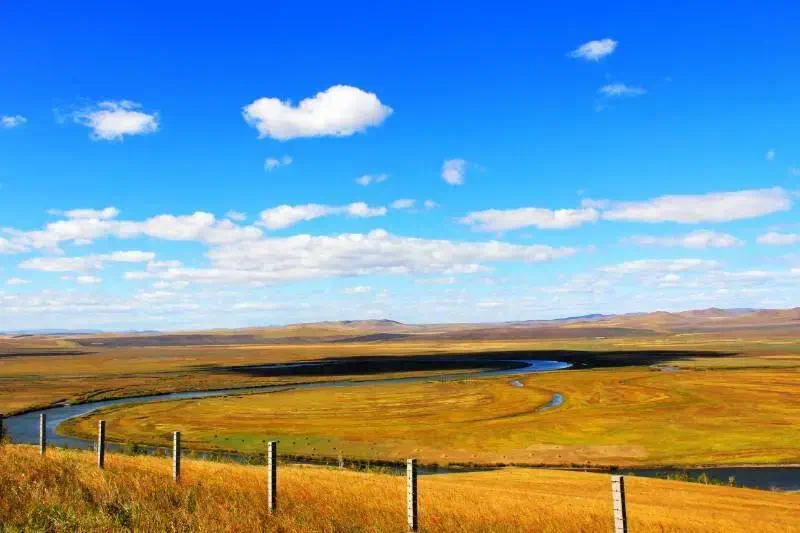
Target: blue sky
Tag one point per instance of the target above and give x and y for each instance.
(174, 167)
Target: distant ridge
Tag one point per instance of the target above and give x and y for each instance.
(588, 326)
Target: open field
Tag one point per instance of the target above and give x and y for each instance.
(65, 492)
(609, 417)
(42, 371)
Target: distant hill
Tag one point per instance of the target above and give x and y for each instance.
(384, 330)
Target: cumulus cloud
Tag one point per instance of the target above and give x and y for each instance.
(284, 216)
(509, 219)
(620, 89)
(11, 247)
(770, 154)
(430, 204)
(17, 281)
(453, 171)
(595, 50)
(696, 239)
(100, 214)
(12, 121)
(693, 209)
(340, 110)
(274, 260)
(368, 179)
(272, 163)
(779, 239)
(403, 203)
(88, 280)
(112, 120)
(85, 263)
(86, 226)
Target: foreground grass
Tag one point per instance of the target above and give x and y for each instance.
(66, 492)
(620, 417)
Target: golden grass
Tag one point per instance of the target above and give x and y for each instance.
(31, 381)
(609, 417)
(66, 492)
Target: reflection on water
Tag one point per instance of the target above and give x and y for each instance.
(778, 477)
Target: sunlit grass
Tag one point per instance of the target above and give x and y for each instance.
(64, 491)
(609, 417)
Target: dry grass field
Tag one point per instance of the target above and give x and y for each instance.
(609, 417)
(64, 491)
(38, 372)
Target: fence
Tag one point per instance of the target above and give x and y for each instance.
(617, 482)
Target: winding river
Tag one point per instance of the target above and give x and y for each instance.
(24, 428)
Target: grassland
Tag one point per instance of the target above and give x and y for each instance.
(609, 417)
(64, 491)
(38, 372)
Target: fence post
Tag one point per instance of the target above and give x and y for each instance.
(272, 476)
(411, 495)
(620, 512)
(2, 429)
(101, 444)
(176, 456)
(42, 434)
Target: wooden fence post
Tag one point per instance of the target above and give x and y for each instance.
(272, 476)
(176, 456)
(101, 444)
(411, 494)
(620, 512)
(42, 434)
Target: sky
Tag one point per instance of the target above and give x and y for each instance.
(179, 167)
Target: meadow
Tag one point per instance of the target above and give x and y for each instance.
(64, 491)
(609, 417)
(37, 372)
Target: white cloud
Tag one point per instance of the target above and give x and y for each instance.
(430, 204)
(448, 280)
(692, 209)
(284, 216)
(236, 216)
(11, 247)
(696, 239)
(88, 280)
(659, 266)
(509, 219)
(112, 120)
(12, 121)
(368, 179)
(274, 260)
(84, 263)
(620, 89)
(595, 50)
(358, 289)
(779, 239)
(794, 171)
(101, 214)
(453, 171)
(17, 281)
(403, 203)
(340, 110)
(770, 154)
(272, 163)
